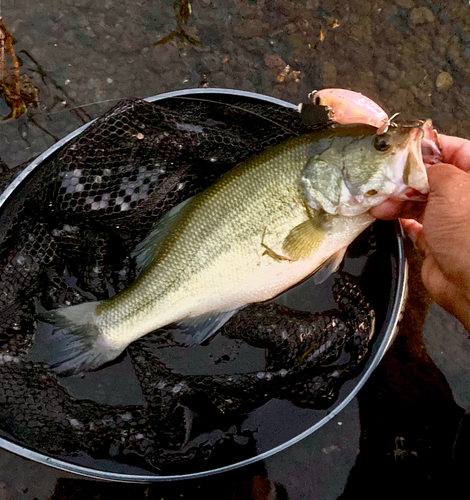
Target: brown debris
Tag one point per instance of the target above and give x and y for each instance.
(288, 80)
(288, 75)
(182, 10)
(279, 70)
(180, 34)
(16, 88)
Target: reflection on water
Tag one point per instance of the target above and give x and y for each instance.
(411, 56)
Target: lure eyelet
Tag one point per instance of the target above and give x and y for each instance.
(311, 95)
(387, 124)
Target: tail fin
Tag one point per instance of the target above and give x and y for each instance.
(76, 343)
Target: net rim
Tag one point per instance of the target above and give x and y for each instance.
(395, 316)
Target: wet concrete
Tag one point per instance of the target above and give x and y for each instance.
(407, 432)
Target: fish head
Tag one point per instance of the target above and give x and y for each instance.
(366, 168)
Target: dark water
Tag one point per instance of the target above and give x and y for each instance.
(409, 424)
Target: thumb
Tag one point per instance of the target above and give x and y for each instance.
(447, 293)
(449, 182)
(446, 220)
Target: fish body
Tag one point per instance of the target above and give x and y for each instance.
(263, 227)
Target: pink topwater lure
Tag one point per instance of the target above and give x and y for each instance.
(347, 107)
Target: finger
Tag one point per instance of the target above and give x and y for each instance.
(452, 185)
(446, 293)
(412, 229)
(447, 219)
(394, 209)
(456, 151)
(441, 290)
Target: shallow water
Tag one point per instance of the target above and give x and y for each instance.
(409, 424)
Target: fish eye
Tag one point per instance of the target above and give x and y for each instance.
(371, 192)
(381, 143)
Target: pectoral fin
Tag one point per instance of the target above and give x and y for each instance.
(303, 240)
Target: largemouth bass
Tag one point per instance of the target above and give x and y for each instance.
(261, 228)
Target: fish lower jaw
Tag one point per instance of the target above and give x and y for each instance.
(431, 150)
(417, 186)
(412, 194)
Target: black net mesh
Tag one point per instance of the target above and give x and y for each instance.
(65, 238)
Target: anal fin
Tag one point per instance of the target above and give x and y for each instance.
(190, 331)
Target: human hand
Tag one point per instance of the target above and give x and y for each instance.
(441, 228)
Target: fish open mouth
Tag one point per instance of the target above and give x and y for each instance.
(423, 149)
(430, 146)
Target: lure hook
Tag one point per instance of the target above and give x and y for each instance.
(389, 123)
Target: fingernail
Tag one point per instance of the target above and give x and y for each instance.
(413, 238)
(410, 232)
